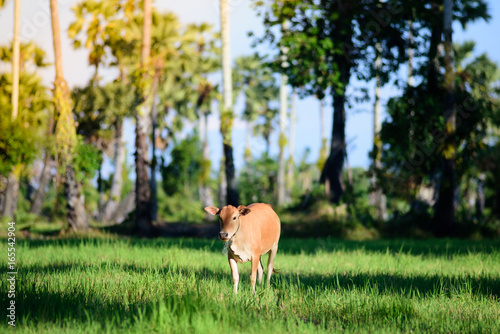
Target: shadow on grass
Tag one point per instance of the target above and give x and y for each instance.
(294, 246)
(420, 285)
(82, 304)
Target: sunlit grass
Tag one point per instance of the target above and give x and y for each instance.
(184, 285)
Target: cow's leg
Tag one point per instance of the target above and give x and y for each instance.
(234, 273)
(272, 254)
(253, 274)
(260, 271)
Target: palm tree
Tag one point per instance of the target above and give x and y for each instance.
(164, 59)
(377, 198)
(93, 17)
(15, 59)
(108, 29)
(206, 61)
(180, 62)
(258, 85)
(142, 190)
(65, 131)
(119, 100)
(227, 115)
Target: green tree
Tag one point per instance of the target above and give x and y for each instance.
(181, 174)
(258, 180)
(417, 133)
(324, 43)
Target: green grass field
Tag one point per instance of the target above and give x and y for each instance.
(113, 284)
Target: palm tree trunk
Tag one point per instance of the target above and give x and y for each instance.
(291, 145)
(227, 115)
(143, 219)
(3, 187)
(444, 213)
(117, 180)
(154, 124)
(323, 148)
(66, 131)
(11, 194)
(350, 192)
(283, 115)
(75, 207)
(248, 152)
(222, 191)
(480, 198)
(38, 197)
(377, 197)
(282, 140)
(15, 59)
(100, 189)
(206, 197)
(12, 190)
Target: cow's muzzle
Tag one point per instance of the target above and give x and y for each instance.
(223, 236)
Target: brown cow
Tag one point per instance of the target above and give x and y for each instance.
(250, 232)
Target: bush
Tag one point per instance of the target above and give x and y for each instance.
(179, 208)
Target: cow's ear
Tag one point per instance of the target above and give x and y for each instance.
(243, 210)
(212, 210)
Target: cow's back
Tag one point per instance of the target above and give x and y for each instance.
(265, 223)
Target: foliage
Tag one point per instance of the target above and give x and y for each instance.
(86, 161)
(412, 160)
(318, 34)
(97, 109)
(17, 144)
(178, 208)
(31, 56)
(180, 176)
(257, 181)
(21, 139)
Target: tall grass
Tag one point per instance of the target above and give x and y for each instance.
(184, 286)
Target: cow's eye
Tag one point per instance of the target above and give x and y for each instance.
(234, 218)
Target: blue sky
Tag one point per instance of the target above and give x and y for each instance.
(35, 25)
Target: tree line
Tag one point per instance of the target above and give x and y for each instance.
(434, 158)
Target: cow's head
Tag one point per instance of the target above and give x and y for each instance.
(229, 219)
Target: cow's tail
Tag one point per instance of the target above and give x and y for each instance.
(276, 271)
